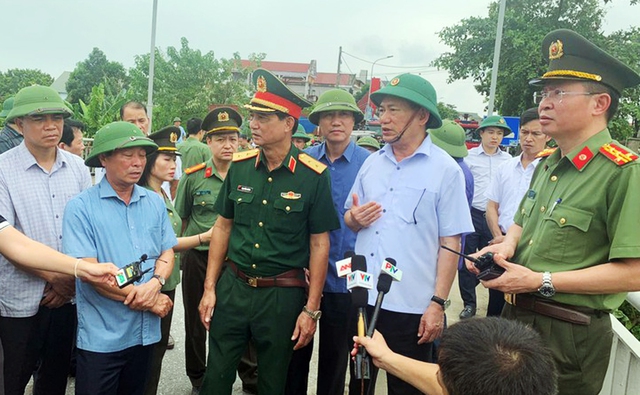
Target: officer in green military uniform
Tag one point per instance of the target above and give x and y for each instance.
(197, 193)
(300, 138)
(276, 212)
(574, 243)
(193, 150)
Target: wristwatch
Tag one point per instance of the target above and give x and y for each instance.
(161, 279)
(315, 315)
(442, 302)
(547, 289)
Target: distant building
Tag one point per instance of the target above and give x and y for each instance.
(60, 84)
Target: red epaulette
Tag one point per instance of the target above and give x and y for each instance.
(617, 154)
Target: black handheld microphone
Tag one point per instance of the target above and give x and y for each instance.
(359, 299)
(383, 286)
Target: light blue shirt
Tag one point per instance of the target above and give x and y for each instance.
(343, 172)
(423, 199)
(33, 199)
(98, 224)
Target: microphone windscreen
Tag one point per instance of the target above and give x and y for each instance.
(384, 283)
(348, 254)
(359, 297)
(358, 262)
(391, 261)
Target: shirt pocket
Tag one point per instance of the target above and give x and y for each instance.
(527, 207)
(563, 236)
(152, 244)
(288, 216)
(415, 205)
(242, 207)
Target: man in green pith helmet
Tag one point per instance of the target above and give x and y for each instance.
(407, 200)
(37, 179)
(300, 138)
(369, 143)
(574, 244)
(275, 216)
(197, 194)
(10, 135)
(335, 113)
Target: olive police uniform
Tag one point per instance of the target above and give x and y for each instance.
(274, 214)
(166, 139)
(581, 211)
(197, 193)
(193, 152)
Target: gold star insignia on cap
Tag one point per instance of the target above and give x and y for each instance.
(261, 84)
(223, 116)
(173, 137)
(395, 81)
(555, 50)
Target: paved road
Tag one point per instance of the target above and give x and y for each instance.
(174, 381)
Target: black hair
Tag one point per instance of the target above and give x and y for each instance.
(194, 125)
(495, 356)
(146, 173)
(74, 123)
(529, 115)
(67, 134)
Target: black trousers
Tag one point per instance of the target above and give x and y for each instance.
(38, 345)
(473, 242)
(333, 355)
(158, 350)
(115, 373)
(399, 330)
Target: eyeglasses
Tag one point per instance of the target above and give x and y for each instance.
(558, 94)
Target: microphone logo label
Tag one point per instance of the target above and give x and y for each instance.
(343, 267)
(359, 279)
(390, 269)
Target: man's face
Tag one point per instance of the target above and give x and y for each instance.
(223, 145)
(41, 131)
(242, 142)
(565, 114)
(532, 140)
(124, 166)
(336, 126)
(395, 113)
(177, 124)
(491, 137)
(267, 129)
(299, 143)
(138, 117)
(77, 145)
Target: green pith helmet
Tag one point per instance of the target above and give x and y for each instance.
(177, 119)
(6, 107)
(118, 135)
(496, 121)
(166, 139)
(416, 90)
(301, 134)
(573, 57)
(38, 100)
(368, 141)
(336, 100)
(451, 138)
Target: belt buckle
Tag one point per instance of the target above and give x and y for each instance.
(510, 298)
(253, 281)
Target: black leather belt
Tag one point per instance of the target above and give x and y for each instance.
(288, 279)
(573, 314)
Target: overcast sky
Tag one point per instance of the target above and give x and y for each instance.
(54, 35)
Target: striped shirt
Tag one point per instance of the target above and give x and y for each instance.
(32, 199)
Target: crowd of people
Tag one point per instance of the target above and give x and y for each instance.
(255, 226)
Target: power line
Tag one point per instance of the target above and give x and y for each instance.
(395, 67)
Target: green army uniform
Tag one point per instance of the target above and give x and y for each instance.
(193, 152)
(274, 214)
(165, 138)
(580, 211)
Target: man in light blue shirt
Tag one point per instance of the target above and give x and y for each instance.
(118, 221)
(335, 113)
(407, 200)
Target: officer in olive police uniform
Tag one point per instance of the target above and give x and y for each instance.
(575, 237)
(197, 193)
(276, 212)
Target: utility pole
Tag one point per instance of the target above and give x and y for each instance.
(496, 59)
(152, 57)
(339, 63)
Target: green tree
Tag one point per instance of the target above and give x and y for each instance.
(15, 79)
(94, 70)
(102, 108)
(187, 82)
(447, 111)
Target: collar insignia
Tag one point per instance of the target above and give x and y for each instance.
(291, 195)
(261, 84)
(582, 158)
(555, 50)
(208, 172)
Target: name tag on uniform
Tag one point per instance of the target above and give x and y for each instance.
(204, 192)
(245, 189)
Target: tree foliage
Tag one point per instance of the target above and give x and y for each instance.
(15, 79)
(447, 111)
(103, 108)
(187, 82)
(91, 72)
